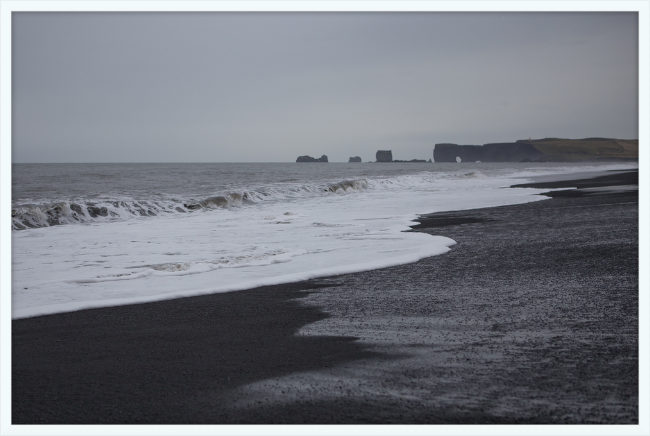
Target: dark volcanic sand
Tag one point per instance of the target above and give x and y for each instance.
(531, 318)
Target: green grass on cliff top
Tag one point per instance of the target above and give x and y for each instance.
(578, 149)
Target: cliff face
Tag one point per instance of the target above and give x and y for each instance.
(323, 158)
(588, 149)
(511, 152)
(541, 150)
(355, 159)
(412, 160)
(448, 153)
(384, 156)
(499, 152)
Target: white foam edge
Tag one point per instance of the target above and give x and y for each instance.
(196, 268)
(428, 250)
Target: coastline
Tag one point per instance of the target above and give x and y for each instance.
(595, 179)
(487, 333)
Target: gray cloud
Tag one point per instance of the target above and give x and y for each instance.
(156, 87)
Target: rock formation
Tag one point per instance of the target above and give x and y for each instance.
(384, 156)
(502, 152)
(541, 150)
(323, 158)
(355, 159)
(412, 160)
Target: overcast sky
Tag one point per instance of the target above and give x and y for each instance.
(268, 87)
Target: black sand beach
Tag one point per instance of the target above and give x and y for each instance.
(532, 318)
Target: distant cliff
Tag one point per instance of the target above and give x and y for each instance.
(323, 158)
(384, 156)
(412, 160)
(541, 150)
(501, 152)
(355, 159)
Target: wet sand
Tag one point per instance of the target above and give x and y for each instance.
(531, 318)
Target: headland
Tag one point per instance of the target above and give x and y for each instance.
(541, 150)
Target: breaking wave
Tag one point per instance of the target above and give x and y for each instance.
(348, 185)
(46, 214)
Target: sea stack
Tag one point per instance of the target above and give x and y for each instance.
(384, 156)
(355, 159)
(323, 158)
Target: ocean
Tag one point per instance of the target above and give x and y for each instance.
(98, 235)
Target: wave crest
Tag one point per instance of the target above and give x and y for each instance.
(348, 185)
(80, 210)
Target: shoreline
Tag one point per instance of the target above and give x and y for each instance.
(230, 358)
(592, 179)
(434, 247)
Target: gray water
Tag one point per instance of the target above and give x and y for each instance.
(51, 194)
(47, 183)
(43, 183)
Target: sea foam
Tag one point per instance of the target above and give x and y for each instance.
(290, 234)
